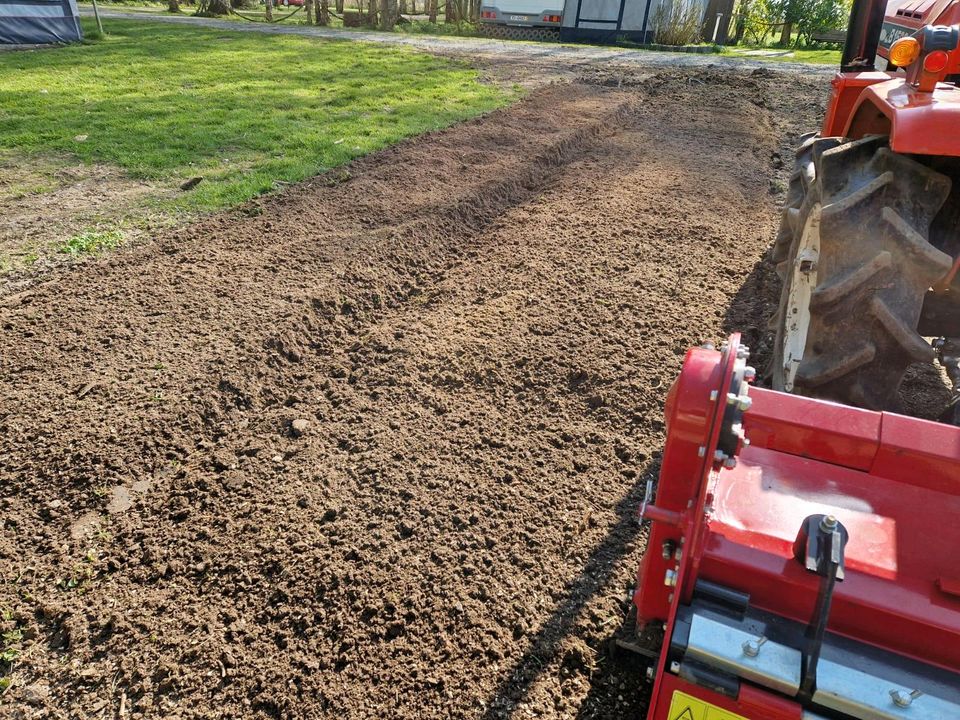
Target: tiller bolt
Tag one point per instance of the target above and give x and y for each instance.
(668, 548)
(751, 648)
(901, 698)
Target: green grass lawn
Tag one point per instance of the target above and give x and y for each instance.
(242, 110)
(814, 56)
(819, 57)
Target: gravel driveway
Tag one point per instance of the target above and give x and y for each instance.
(562, 58)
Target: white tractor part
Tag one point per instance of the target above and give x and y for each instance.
(802, 285)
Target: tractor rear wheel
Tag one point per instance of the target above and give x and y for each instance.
(858, 267)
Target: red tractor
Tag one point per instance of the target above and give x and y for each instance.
(803, 552)
(869, 243)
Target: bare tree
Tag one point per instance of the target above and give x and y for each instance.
(388, 14)
(308, 9)
(432, 10)
(457, 11)
(785, 32)
(212, 8)
(323, 12)
(173, 6)
(270, 10)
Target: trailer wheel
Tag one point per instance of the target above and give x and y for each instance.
(858, 268)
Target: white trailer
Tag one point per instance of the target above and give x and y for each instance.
(522, 19)
(609, 20)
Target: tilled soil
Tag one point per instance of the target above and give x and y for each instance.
(373, 448)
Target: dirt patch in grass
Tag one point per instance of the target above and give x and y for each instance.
(374, 447)
(171, 122)
(45, 202)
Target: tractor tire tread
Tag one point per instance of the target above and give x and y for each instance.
(874, 269)
(857, 197)
(830, 294)
(913, 345)
(915, 246)
(824, 370)
(803, 174)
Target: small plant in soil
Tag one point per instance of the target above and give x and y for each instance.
(83, 572)
(11, 646)
(93, 241)
(11, 640)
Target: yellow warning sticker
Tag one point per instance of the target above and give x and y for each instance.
(687, 707)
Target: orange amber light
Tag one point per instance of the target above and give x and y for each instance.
(904, 51)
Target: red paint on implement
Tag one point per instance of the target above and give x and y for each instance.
(893, 481)
(752, 702)
(692, 422)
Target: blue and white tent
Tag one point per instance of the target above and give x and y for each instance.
(37, 22)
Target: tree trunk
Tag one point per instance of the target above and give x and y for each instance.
(173, 6)
(323, 13)
(308, 9)
(433, 10)
(339, 5)
(785, 34)
(449, 12)
(212, 8)
(403, 7)
(388, 14)
(270, 10)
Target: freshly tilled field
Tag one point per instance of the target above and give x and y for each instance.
(373, 447)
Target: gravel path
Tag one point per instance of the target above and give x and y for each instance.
(561, 58)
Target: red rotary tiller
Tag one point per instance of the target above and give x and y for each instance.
(803, 559)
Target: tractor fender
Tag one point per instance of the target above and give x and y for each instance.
(918, 123)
